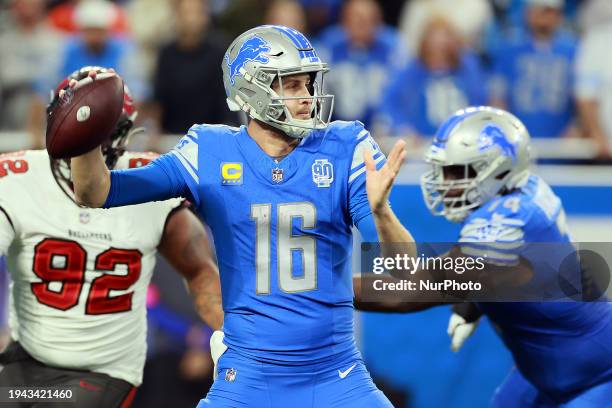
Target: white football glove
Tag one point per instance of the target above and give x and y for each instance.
(459, 330)
(217, 348)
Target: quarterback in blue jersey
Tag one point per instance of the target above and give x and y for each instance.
(280, 196)
(480, 177)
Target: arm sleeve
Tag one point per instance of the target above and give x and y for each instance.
(359, 206)
(7, 232)
(367, 229)
(157, 181)
(171, 175)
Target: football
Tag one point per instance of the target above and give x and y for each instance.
(84, 116)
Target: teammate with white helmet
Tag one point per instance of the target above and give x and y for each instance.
(80, 276)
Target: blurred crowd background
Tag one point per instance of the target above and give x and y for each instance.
(399, 66)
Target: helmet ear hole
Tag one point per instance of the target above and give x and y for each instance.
(247, 93)
(274, 112)
(311, 85)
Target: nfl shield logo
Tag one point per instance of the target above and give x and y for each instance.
(322, 173)
(84, 218)
(230, 375)
(277, 175)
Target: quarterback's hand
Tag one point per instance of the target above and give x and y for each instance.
(91, 76)
(459, 330)
(217, 348)
(379, 182)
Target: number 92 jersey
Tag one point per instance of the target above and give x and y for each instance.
(78, 276)
(282, 231)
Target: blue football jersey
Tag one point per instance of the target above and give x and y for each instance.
(535, 80)
(560, 347)
(370, 67)
(282, 232)
(419, 100)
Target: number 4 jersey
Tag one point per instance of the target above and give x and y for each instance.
(79, 276)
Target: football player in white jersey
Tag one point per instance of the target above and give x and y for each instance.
(80, 276)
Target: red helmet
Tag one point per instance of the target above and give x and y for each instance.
(115, 146)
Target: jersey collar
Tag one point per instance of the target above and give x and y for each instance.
(264, 165)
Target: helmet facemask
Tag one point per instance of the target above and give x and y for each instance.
(455, 190)
(116, 145)
(278, 114)
(479, 153)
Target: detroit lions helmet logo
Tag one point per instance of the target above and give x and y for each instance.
(253, 49)
(491, 136)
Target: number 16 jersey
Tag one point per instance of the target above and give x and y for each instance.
(282, 231)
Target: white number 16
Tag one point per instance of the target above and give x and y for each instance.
(287, 242)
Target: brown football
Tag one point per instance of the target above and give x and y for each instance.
(85, 116)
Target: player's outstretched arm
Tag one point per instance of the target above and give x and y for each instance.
(185, 245)
(96, 186)
(91, 178)
(378, 187)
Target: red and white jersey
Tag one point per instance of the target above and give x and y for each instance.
(79, 276)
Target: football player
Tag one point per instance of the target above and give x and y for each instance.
(513, 220)
(280, 196)
(480, 178)
(80, 275)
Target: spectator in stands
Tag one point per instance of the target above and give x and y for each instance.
(152, 26)
(288, 13)
(187, 88)
(594, 88)
(532, 73)
(321, 13)
(513, 12)
(96, 45)
(594, 12)
(469, 17)
(361, 51)
(443, 78)
(62, 17)
(29, 48)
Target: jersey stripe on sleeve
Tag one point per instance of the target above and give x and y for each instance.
(498, 240)
(186, 151)
(366, 142)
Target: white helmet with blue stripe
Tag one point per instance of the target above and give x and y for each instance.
(477, 154)
(258, 57)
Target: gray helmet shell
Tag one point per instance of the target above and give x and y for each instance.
(259, 56)
(493, 147)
